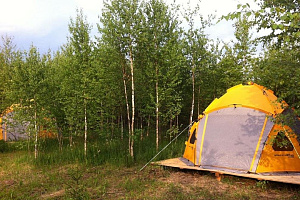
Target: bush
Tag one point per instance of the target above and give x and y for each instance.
(3, 146)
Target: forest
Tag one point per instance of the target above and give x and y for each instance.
(146, 76)
(111, 102)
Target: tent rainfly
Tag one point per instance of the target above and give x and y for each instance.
(238, 133)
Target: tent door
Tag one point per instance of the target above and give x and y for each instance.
(190, 148)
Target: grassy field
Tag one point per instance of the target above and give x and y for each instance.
(20, 178)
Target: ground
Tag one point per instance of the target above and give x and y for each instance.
(21, 180)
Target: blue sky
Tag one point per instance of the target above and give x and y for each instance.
(44, 23)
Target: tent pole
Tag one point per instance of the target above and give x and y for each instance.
(166, 146)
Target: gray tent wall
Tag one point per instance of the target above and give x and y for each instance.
(230, 138)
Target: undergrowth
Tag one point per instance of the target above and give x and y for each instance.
(108, 172)
(99, 151)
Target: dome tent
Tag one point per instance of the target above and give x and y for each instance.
(238, 133)
(12, 129)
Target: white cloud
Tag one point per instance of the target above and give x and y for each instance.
(90, 5)
(15, 14)
(33, 16)
(48, 19)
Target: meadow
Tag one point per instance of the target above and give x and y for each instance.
(108, 173)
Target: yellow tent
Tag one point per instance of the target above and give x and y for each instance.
(238, 132)
(12, 130)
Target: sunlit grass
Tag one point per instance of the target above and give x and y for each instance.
(109, 173)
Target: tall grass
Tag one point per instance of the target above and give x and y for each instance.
(106, 150)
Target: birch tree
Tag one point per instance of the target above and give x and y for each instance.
(29, 90)
(77, 71)
(8, 58)
(162, 35)
(120, 27)
(195, 45)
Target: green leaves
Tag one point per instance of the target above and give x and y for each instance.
(144, 42)
(279, 16)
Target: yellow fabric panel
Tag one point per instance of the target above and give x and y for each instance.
(251, 96)
(258, 143)
(189, 152)
(278, 161)
(202, 140)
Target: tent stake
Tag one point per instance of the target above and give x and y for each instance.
(166, 146)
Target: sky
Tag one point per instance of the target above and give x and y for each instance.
(44, 23)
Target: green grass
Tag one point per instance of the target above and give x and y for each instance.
(101, 151)
(107, 181)
(109, 173)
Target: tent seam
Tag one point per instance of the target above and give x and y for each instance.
(202, 140)
(258, 143)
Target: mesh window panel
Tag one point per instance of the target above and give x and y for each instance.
(193, 137)
(292, 121)
(231, 138)
(282, 143)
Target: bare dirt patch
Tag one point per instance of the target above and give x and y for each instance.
(56, 194)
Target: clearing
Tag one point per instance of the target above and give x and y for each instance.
(21, 180)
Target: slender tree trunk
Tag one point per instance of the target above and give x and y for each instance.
(141, 128)
(70, 136)
(85, 129)
(148, 125)
(193, 94)
(157, 109)
(101, 118)
(112, 127)
(59, 137)
(122, 128)
(198, 102)
(36, 132)
(157, 93)
(127, 107)
(132, 106)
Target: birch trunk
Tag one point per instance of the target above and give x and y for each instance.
(148, 125)
(132, 106)
(85, 129)
(59, 137)
(198, 102)
(193, 94)
(36, 133)
(157, 109)
(70, 136)
(127, 106)
(141, 128)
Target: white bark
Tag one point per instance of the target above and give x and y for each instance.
(193, 95)
(198, 102)
(157, 109)
(36, 133)
(127, 107)
(133, 107)
(85, 129)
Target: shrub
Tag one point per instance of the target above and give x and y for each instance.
(3, 146)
